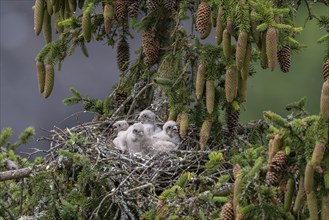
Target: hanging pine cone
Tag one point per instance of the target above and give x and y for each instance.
(205, 133)
(203, 18)
(232, 120)
(325, 69)
(236, 170)
(271, 47)
(120, 10)
(108, 14)
(120, 97)
(271, 177)
(133, 8)
(276, 166)
(151, 47)
(284, 58)
(151, 5)
(227, 212)
(279, 161)
(123, 55)
(170, 5)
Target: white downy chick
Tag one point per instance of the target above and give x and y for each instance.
(120, 127)
(164, 146)
(147, 118)
(169, 133)
(135, 138)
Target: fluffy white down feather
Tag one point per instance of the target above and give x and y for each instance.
(147, 118)
(169, 133)
(164, 146)
(120, 127)
(135, 138)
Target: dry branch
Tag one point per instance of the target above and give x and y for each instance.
(19, 173)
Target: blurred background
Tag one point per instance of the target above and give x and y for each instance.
(22, 105)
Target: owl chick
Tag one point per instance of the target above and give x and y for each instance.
(163, 146)
(169, 133)
(120, 127)
(147, 118)
(135, 138)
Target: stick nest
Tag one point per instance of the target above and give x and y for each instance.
(131, 182)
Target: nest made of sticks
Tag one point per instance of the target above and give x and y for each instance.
(132, 181)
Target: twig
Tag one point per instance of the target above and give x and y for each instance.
(137, 95)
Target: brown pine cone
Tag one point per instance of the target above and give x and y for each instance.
(123, 55)
(284, 58)
(121, 10)
(271, 177)
(276, 166)
(151, 5)
(170, 4)
(227, 212)
(151, 47)
(133, 8)
(232, 120)
(279, 161)
(203, 18)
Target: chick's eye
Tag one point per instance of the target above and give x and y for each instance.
(135, 130)
(169, 127)
(144, 116)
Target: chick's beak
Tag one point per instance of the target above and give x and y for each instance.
(175, 129)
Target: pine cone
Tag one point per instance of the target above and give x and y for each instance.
(151, 48)
(324, 101)
(38, 16)
(133, 8)
(183, 124)
(41, 74)
(86, 26)
(210, 96)
(271, 177)
(227, 212)
(232, 120)
(279, 161)
(231, 83)
(170, 5)
(276, 166)
(241, 49)
(205, 133)
(108, 13)
(123, 55)
(46, 27)
(120, 10)
(271, 47)
(284, 58)
(263, 56)
(227, 47)
(49, 80)
(151, 5)
(200, 81)
(120, 97)
(236, 170)
(325, 69)
(203, 18)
